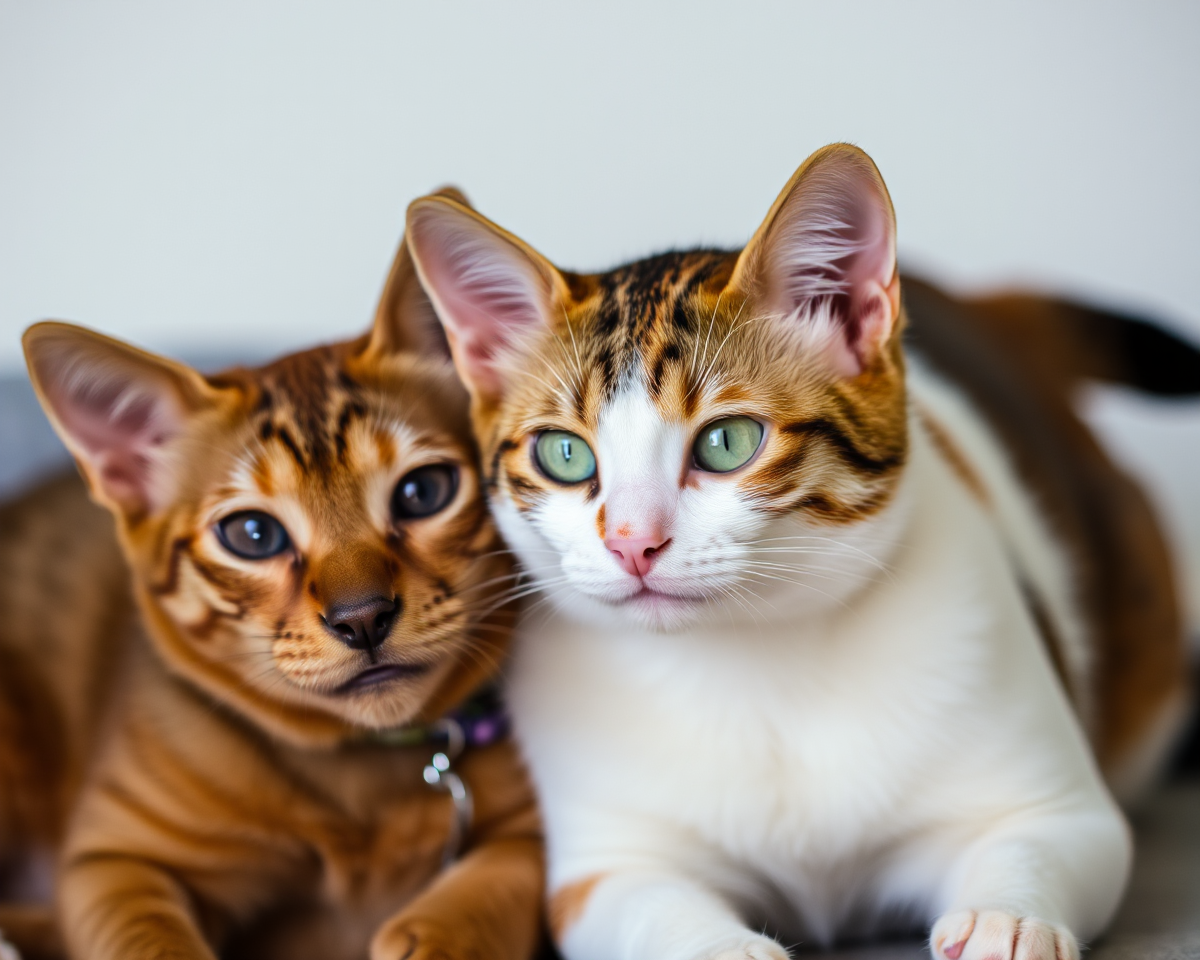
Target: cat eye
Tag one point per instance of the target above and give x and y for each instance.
(252, 535)
(564, 457)
(725, 445)
(424, 491)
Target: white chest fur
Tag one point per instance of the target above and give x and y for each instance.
(820, 768)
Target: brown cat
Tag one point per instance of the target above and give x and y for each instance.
(219, 722)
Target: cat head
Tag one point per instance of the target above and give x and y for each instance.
(309, 539)
(696, 430)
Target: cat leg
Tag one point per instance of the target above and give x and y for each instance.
(117, 907)
(486, 906)
(645, 914)
(1029, 888)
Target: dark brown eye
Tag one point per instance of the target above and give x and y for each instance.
(252, 535)
(424, 492)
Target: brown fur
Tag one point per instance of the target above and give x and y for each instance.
(567, 903)
(171, 726)
(1019, 358)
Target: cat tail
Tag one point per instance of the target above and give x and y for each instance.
(1134, 351)
(1068, 342)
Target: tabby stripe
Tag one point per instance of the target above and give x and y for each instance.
(285, 437)
(494, 473)
(351, 410)
(832, 434)
(668, 353)
(1051, 639)
(170, 584)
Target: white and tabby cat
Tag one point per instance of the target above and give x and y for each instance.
(832, 643)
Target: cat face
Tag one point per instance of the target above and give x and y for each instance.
(696, 431)
(308, 539)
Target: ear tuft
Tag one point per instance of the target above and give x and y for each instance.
(116, 408)
(824, 260)
(491, 292)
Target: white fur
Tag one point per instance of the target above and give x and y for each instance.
(862, 734)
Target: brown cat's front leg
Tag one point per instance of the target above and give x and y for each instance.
(486, 906)
(116, 907)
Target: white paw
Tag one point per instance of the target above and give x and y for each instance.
(749, 948)
(7, 950)
(994, 935)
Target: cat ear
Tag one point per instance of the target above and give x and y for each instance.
(492, 292)
(824, 260)
(405, 321)
(117, 408)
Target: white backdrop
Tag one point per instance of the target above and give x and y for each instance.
(232, 175)
(225, 178)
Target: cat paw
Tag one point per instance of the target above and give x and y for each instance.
(7, 950)
(416, 940)
(995, 935)
(748, 948)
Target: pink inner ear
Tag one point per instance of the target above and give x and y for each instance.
(117, 427)
(833, 250)
(488, 294)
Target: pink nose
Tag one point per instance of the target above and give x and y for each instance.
(636, 555)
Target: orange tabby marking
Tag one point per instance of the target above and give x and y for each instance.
(213, 751)
(567, 904)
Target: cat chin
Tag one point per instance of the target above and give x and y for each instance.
(390, 701)
(387, 708)
(647, 610)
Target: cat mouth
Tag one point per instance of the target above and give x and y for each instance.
(648, 596)
(382, 674)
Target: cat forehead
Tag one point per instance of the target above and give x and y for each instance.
(646, 322)
(315, 421)
(649, 306)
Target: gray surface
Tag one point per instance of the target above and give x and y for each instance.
(1160, 919)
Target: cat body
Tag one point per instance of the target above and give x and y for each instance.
(814, 654)
(228, 709)
(827, 771)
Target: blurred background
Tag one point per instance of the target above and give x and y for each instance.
(228, 180)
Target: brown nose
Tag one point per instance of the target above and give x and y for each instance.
(362, 624)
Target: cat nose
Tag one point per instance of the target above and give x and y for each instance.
(637, 554)
(362, 624)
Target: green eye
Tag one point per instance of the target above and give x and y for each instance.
(725, 445)
(564, 457)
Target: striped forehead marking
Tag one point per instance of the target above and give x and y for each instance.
(644, 313)
(308, 402)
